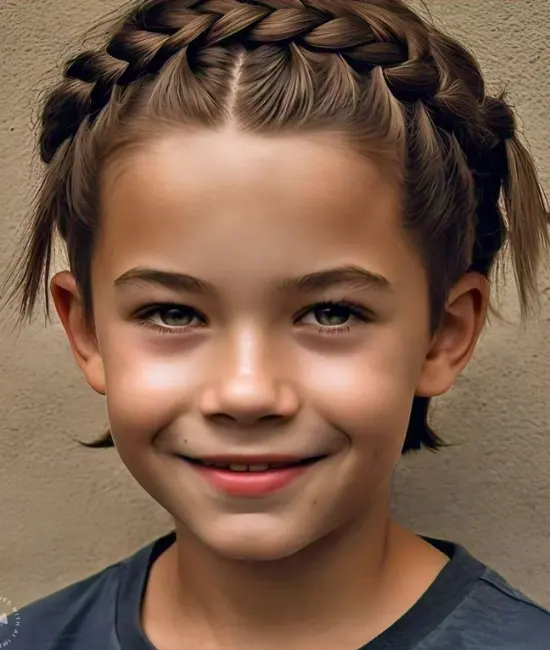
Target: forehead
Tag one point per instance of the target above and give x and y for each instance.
(228, 203)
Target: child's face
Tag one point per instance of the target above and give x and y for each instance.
(245, 367)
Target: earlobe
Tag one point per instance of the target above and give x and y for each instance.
(454, 343)
(83, 342)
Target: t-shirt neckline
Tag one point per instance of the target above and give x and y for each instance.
(456, 580)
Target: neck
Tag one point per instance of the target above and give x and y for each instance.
(349, 578)
(304, 586)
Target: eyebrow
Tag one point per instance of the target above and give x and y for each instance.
(354, 277)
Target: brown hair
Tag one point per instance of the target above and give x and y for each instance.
(374, 71)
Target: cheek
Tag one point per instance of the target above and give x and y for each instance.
(145, 392)
(368, 393)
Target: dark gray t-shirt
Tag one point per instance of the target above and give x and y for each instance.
(468, 607)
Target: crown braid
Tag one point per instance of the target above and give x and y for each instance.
(360, 33)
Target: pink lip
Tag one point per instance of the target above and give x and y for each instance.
(251, 484)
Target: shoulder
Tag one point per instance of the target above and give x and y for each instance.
(495, 616)
(88, 614)
(78, 617)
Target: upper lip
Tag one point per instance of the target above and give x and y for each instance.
(257, 459)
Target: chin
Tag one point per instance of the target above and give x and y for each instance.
(255, 543)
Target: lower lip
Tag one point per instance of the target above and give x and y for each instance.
(251, 484)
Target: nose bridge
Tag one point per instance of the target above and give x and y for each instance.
(246, 382)
(248, 373)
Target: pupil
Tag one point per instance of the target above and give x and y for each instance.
(175, 315)
(334, 316)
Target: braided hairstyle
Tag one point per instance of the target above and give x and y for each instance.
(371, 70)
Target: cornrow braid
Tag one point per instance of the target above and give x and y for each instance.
(398, 87)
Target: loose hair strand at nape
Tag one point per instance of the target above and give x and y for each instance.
(528, 222)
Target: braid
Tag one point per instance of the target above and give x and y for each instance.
(370, 68)
(158, 30)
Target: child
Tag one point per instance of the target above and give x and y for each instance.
(252, 168)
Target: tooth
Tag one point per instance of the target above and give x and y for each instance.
(238, 468)
(258, 468)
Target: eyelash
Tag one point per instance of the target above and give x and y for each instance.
(356, 312)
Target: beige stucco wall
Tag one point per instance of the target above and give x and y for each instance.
(66, 512)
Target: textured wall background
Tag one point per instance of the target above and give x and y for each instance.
(67, 512)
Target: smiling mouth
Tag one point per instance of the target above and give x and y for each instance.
(251, 477)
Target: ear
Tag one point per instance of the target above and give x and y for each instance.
(455, 341)
(82, 340)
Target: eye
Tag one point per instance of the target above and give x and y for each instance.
(335, 317)
(170, 318)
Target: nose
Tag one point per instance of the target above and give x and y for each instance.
(245, 387)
